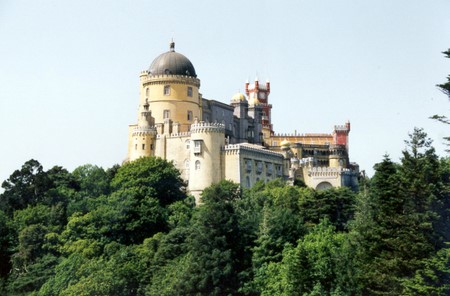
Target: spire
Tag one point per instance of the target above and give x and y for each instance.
(172, 45)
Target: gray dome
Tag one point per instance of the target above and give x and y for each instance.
(172, 63)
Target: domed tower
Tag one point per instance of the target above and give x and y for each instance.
(169, 100)
(171, 88)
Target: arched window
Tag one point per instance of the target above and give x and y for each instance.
(197, 165)
(186, 164)
(188, 144)
(146, 92)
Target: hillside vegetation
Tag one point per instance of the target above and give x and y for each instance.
(133, 230)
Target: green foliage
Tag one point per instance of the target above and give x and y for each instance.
(401, 221)
(23, 187)
(152, 177)
(445, 87)
(316, 266)
(5, 246)
(335, 204)
(132, 230)
(433, 278)
(213, 244)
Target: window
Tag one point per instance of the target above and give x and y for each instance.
(248, 165)
(146, 92)
(188, 144)
(279, 171)
(269, 169)
(189, 115)
(197, 146)
(166, 114)
(259, 167)
(186, 164)
(189, 91)
(166, 90)
(135, 146)
(197, 165)
(143, 146)
(248, 181)
(151, 146)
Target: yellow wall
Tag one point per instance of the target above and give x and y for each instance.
(177, 102)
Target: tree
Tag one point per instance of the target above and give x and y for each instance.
(152, 177)
(381, 233)
(433, 278)
(404, 218)
(336, 204)
(445, 88)
(24, 186)
(319, 264)
(214, 244)
(5, 245)
(93, 180)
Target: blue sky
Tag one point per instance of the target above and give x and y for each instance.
(69, 70)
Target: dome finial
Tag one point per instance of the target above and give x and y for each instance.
(172, 45)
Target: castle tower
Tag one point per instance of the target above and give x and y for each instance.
(169, 100)
(240, 104)
(141, 141)
(261, 92)
(207, 141)
(339, 151)
(171, 88)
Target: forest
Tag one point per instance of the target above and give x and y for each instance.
(133, 230)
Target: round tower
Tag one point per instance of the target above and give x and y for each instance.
(338, 156)
(207, 141)
(171, 88)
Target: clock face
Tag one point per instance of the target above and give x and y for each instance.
(262, 95)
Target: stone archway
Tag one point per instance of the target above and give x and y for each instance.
(324, 185)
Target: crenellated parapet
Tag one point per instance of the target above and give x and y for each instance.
(144, 131)
(207, 127)
(328, 171)
(324, 172)
(147, 80)
(338, 150)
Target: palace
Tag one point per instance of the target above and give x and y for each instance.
(209, 141)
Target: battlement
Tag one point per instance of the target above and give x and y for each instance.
(328, 171)
(144, 130)
(207, 127)
(341, 128)
(148, 79)
(324, 172)
(179, 135)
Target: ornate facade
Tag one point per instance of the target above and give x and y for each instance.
(208, 140)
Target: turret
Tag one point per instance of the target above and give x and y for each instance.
(207, 141)
(340, 134)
